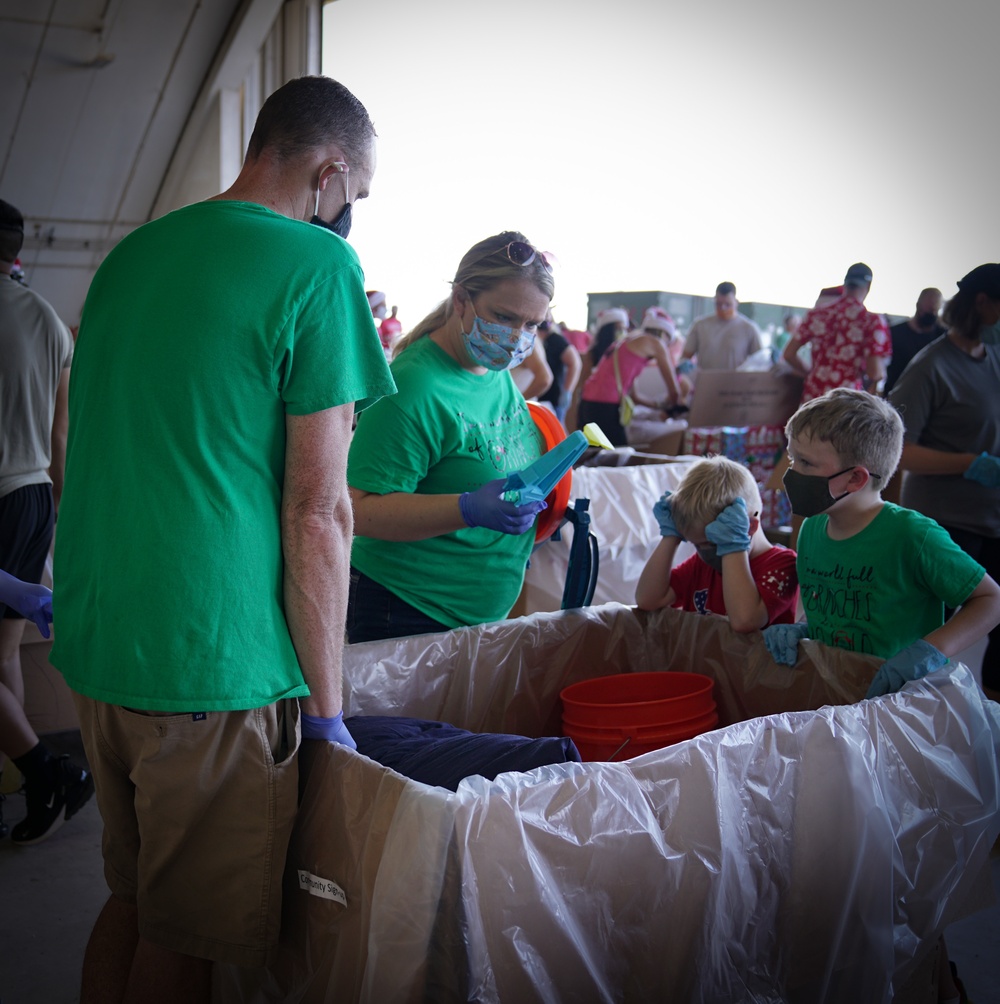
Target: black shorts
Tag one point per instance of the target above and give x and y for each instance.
(27, 519)
(605, 415)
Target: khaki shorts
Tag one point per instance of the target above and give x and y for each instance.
(198, 812)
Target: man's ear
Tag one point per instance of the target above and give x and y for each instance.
(328, 169)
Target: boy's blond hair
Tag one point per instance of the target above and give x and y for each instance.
(865, 430)
(708, 487)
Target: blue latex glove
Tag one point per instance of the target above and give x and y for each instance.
(684, 367)
(910, 663)
(29, 599)
(730, 530)
(665, 517)
(984, 469)
(782, 641)
(333, 730)
(485, 507)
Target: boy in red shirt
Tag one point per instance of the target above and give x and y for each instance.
(737, 571)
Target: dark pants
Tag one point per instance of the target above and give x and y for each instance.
(374, 612)
(606, 416)
(986, 550)
(27, 516)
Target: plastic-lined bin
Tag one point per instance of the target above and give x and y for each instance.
(626, 715)
(811, 850)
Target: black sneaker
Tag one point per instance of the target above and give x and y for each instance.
(49, 807)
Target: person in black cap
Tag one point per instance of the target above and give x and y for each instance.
(35, 353)
(951, 450)
(849, 343)
(950, 407)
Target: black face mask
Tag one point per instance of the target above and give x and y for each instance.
(340, 224)
(709, 553)
(809, 494)
(927, 319)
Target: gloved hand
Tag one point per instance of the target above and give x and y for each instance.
(910, 663)
(684, 367)
(730, 530)
(333, 730)
(782, 641)
(486, 507)
(29, 599)
(665, 517)
(984, 469)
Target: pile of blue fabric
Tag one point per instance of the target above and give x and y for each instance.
(441, 754)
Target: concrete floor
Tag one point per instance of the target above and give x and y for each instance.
(51, 893)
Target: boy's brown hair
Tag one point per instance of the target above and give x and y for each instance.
(865, 430)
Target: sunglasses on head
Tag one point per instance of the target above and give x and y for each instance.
(523, 254)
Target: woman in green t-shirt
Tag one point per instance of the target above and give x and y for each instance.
(436, 547)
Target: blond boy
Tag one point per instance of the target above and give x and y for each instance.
(737, 571)
(874, 577)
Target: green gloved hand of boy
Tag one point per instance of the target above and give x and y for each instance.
(782, 641)
(665, 517)
(910, 663)
(730, 530)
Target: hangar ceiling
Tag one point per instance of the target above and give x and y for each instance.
(115, 111)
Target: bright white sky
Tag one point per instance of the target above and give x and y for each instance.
(668, 145)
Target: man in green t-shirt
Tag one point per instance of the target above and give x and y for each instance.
(201, 573)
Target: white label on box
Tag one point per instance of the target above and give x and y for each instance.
(324, 888)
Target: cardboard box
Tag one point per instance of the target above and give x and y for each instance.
(632, 456)
(48, 701)
(800, 850)
(731, 397)
(669, 444)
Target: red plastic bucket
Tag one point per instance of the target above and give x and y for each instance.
(643, 711)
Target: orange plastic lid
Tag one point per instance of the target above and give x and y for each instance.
(553, 434)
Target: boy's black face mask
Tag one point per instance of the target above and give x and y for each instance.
(809, 494)
(709, 553)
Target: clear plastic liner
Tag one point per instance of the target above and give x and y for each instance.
(621, 517)
(812, 850)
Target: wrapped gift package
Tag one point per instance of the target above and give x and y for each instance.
(759, 448)
(811, 849)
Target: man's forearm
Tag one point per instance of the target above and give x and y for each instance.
(316, 581)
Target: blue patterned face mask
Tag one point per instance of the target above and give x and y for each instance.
(496, 346)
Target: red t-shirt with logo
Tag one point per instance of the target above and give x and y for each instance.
(698, 587)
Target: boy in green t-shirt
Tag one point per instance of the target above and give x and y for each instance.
(874, 577)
